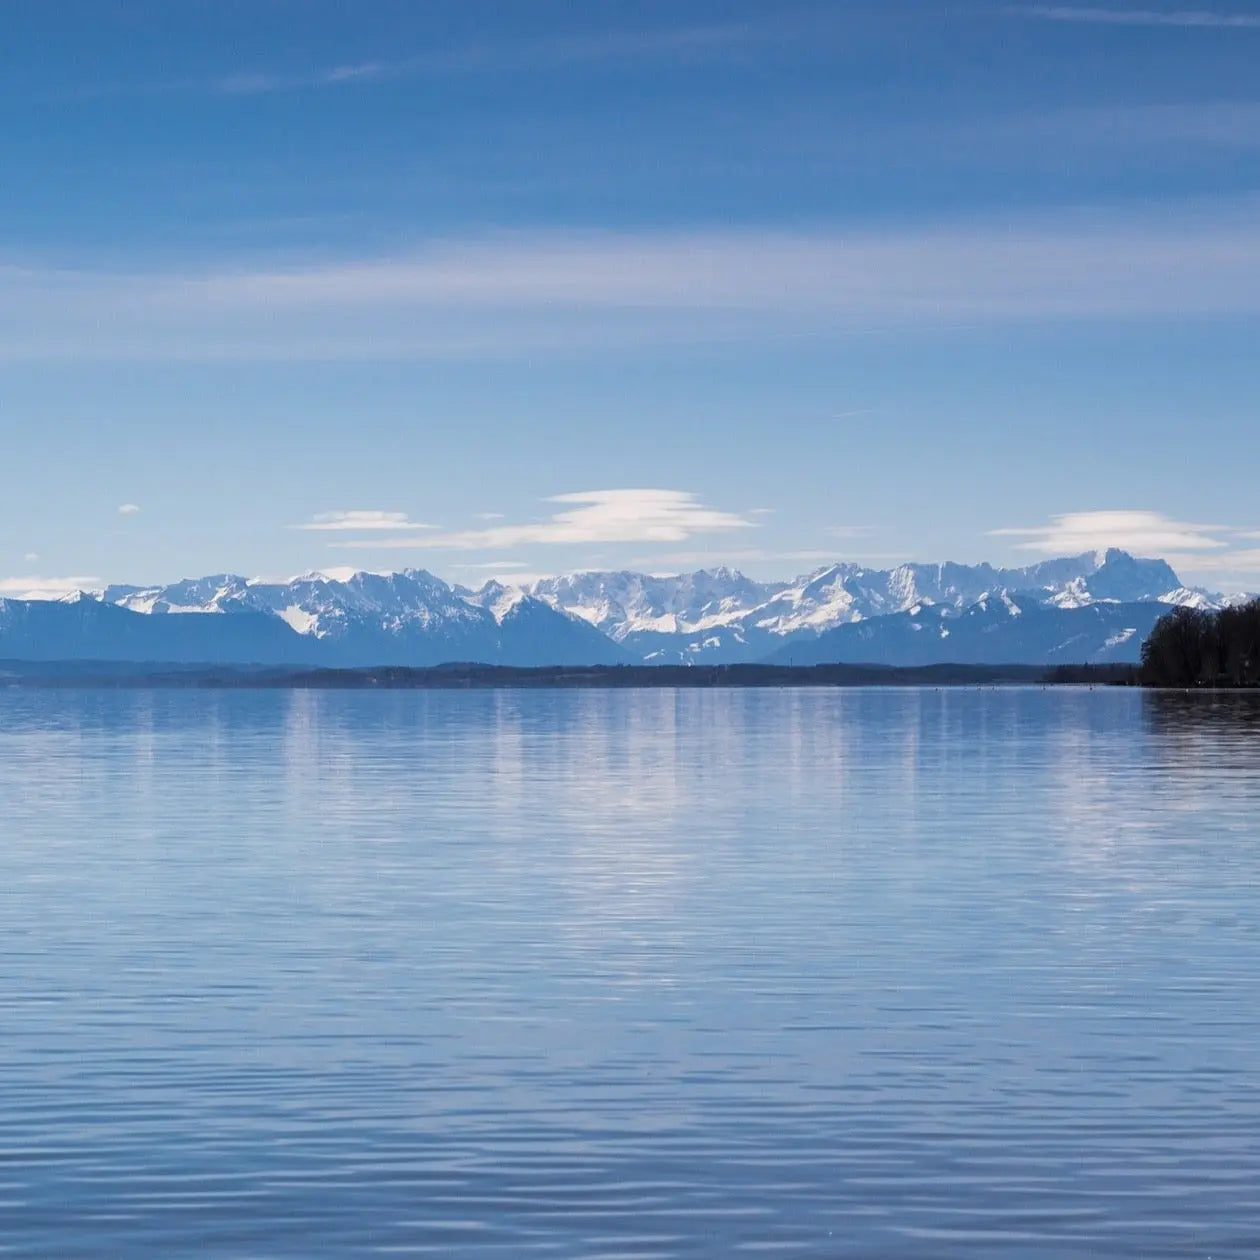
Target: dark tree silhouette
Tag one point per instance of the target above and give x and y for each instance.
(1194, 648)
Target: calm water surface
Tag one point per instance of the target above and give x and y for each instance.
(629, 974)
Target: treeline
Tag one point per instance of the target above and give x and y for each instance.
(470, 675)
(1107, 674)
(1194, 648)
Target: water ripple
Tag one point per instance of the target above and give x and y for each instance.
(869, 974)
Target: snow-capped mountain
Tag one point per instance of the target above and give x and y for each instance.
(996, 630)
(623, 603)
(317, 604)
(720, 615)
(1076, 608)
(408, 618)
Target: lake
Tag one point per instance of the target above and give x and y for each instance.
(877, 973)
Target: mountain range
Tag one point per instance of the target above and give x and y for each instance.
(719, 616)
(1094, 607)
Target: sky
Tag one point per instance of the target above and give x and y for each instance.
(510, 289)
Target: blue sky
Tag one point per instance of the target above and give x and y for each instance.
(516, 288)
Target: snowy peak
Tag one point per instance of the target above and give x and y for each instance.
(718, 615)
(348, 618)
(206, 594)
(504, 602)
(721, 615)
(623, 603)
(724, 611)
(1123, 578)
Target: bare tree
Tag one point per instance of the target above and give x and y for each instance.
(1194, 648)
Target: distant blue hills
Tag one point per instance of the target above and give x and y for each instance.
(1092, 608)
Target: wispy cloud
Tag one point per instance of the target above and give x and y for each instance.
(1146, 533)
(365, 520)
(1164, 132)
(538, 54)
(590, 516)
(572, 291)
(128, 509)
(257, 83)
(1140, 17)
(45, 587)
(1242, 564)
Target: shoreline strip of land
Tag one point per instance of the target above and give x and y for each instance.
(473, 676)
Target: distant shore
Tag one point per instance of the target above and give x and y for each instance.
(459, 676)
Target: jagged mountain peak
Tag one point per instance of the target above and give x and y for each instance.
(408, 617)
(717, 614)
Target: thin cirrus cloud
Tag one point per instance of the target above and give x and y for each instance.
(537, 54)
(128, 509)
(257, 83)
(568, 292)
(543, 54)
(1108, 132)
(588, 516)
(1188, 18)
(365, 520)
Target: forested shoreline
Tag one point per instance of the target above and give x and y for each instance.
(1193, 647)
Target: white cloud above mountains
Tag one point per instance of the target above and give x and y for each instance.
(45, 587)
(1144, 533)
(364, 520)
(587, 516)
(1197, 551)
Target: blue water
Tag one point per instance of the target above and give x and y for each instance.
(629, 974)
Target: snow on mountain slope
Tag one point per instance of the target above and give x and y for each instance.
(710, 616)
(997, 630)
(720, 615)
(207, 594)
(406, 618)
(624, 603)
(532, 632)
